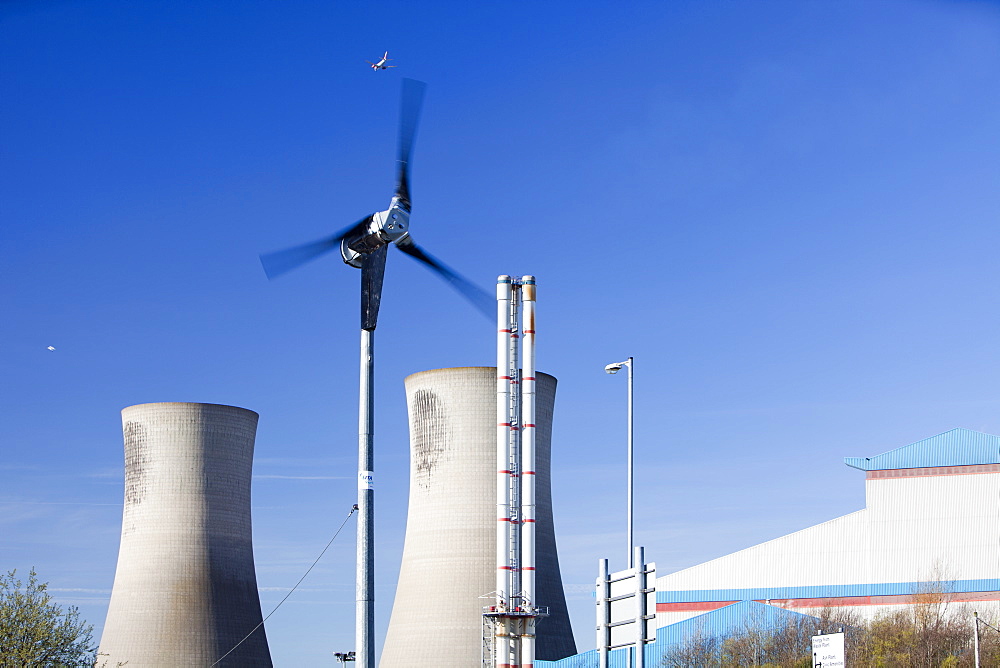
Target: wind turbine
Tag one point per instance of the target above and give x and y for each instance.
(364, 245)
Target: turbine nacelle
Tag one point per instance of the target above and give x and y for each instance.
(383, 227)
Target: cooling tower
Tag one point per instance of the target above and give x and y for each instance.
(185, 590)
(449, 555)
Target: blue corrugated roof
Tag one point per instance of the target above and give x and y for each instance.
(958, 447)
(716, 623)
(725, 621)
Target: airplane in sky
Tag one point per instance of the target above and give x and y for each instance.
(380, 65)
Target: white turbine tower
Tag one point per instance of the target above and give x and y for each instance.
(364, 245)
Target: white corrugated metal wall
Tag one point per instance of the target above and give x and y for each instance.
(913, 530)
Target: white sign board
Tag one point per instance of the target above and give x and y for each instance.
(828, 651)
(626, 607)
(624, 603)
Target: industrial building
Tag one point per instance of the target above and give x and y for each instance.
(931, 524)
(185, 591)
(932, 512)
(448, 571)
(717, 623)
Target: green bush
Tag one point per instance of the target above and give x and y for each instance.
(37, 633)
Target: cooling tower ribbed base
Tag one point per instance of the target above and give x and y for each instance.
(185, 590)
(449, 556)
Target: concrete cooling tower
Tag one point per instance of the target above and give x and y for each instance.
(185, 590)
(449, 555)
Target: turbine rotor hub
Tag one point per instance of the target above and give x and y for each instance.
(389, 226)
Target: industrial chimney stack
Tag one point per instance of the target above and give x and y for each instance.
(457, 562)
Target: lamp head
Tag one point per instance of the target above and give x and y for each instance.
(614, 368)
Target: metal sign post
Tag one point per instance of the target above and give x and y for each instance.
(626, 608)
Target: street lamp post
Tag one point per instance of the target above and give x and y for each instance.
(615, 368)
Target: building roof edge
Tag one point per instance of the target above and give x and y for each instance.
(957, 447)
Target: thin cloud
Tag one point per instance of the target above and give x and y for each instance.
(115, 473)
(269, 476)
(56, 503)
(303, 589)
(298, 461)
(82, 600)
(574, 588)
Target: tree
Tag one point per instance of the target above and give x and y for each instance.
(925, 634)
(37, 633)
(696, 651)
(756, 642)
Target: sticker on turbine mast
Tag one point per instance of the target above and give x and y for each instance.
(366, 479)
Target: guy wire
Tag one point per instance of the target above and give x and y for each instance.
(292, 589)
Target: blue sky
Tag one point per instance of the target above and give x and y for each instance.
(785, 211)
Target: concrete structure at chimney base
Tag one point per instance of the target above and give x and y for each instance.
(449, 555)
(185, 590)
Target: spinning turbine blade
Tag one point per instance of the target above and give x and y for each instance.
(476, 295)
(283, 261)
(409, 116)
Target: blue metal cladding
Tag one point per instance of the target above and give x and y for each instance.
(958, 447)
(719, 622)
(724, 621)
(824, 591)
(617, 658)
(747, 610)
